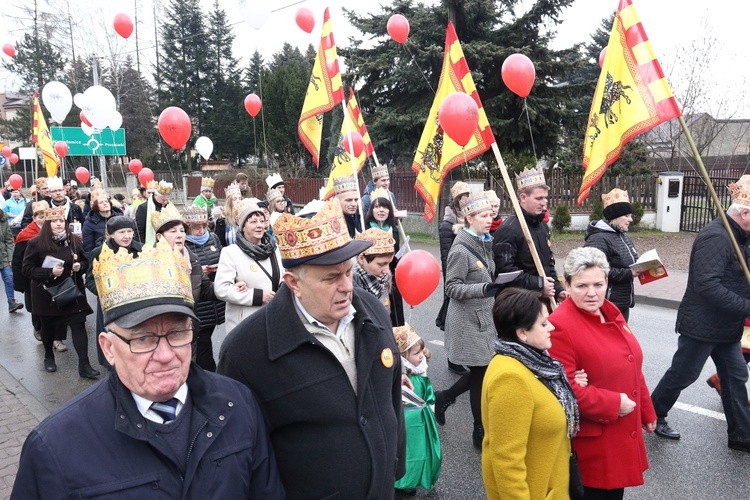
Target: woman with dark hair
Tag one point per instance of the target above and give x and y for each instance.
(529, 410)
(381, 216)
(55, 240)
(95, 224)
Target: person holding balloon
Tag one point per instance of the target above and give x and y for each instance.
(469, 330)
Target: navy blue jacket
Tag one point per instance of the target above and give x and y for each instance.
(98, 445)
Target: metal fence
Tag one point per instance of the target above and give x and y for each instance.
(698, 208)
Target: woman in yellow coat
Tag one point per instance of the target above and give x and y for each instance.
(529, 410)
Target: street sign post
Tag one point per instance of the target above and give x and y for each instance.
(104, 143)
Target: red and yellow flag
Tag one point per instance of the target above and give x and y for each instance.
(342, 163)
(437, 153)
(324, 91)
(631, 97)
(43, 139)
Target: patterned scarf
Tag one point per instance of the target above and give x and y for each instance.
(373, 284)
(263, 251)
(550, 372)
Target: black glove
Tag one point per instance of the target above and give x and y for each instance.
(492, 289)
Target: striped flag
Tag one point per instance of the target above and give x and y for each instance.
(324, 91)
(631, 97)
(342, 163)
(43, 139)
(437, 153)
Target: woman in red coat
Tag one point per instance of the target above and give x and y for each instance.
(591, 334)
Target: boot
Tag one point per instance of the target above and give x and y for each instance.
(714, 382)
(49, 365)
(14, 306)
(442, 403)
(86, 371)
(478, 436)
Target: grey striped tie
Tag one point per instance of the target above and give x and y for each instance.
(166, 410)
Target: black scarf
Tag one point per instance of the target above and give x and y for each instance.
(550, 372)
(263, 251)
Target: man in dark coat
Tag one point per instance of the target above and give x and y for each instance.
(158, 426)
(347, 195)
(510, 249)
(710, 321)
(323, 363)
(158, 198)
(42, 194)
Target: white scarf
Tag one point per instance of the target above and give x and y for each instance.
(420, 370)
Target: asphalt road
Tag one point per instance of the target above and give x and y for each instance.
(699, 466)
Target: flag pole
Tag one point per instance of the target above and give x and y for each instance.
(519, 214)
(401, 232)
(354, 164)
(717, 204)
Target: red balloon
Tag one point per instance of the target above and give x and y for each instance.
(82, 174)
(9, 50)
(602, 55)
(398, 28)
(459, 117)
(175, 127)
(145, 176)
(417, 276)
(15, 181)
(85, 120)
(123, 25)
(518, 74)
(14, 158)
(357, 144)
(253, 104)
(135, 166)
(7, 151)
(61, 147)
(305, 19)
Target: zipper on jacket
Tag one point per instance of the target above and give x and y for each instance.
(192, 445)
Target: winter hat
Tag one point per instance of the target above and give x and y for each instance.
(119, 222)
(616, 204)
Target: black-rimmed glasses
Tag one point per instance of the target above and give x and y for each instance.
(149, 342)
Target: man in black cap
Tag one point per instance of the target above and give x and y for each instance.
(322, 360)
(159, 426)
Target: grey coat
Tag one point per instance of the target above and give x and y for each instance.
(469, 330)
(620, 252)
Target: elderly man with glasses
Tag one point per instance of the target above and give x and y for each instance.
(159, 426)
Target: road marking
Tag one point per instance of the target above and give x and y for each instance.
(436, 342)
(701, 411)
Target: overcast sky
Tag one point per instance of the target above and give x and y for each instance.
(672, 25)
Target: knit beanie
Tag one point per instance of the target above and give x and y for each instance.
(119, 222)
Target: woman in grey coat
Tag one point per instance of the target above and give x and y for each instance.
(469, 329)
(610, 235)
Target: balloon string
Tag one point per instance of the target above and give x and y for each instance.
(531, 134)
(417, 65)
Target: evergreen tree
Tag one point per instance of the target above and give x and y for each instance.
(253, 73)
(36, 62)
(136, 99)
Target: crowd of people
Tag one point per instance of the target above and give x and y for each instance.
(320, 389)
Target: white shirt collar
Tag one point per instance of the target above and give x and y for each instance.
(343, 322)
(144, 405)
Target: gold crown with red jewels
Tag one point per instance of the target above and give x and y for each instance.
(615, 196)
(382, 241)
(54, 213)
(405, 337)
(740, 191)
(531, 177)
(159, 272)
(299, 238)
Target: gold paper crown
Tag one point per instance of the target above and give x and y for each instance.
(152, 184)
(405, 337)
(159, 272)
(167, 214)
(54, 182)
(476, 202)
(98, 195)
(232, 189)
(615, 196)
(492, 196)
(273, 180)
(325, 231)
(164, 188)
(207, 183)
(96, 184)
(740, 191)
(195, 215)
(380, 193)
(272, 196)
(459, 188)
(39, 206)
(41, 182)
(54, 213)
(378, 171)
(344, 184)
(530, 177)
(382, 241)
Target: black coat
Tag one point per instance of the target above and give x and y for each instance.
(446, 235)
(717, 296)
(94, 228)
(119, 455)
(618, 247)
(134, 249)
(511, 252)
(141, 214)
(209, 312)
(353, 224)
(28, 216)
(329, 441)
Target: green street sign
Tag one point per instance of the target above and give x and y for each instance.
(104, 143)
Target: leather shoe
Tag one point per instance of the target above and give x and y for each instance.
(714, 383)
(59, 346)
(86, 371)
(664, 430)
(49, 365)
(739, 445)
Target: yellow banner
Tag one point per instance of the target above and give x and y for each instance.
(43, 140)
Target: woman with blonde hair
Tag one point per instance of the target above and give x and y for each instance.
(226, 225)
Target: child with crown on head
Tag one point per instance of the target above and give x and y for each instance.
(206, 199)
(371, 272)
(423, 452)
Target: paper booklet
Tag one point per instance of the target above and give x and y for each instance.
(50, 262)
(650, 267)
(507, 277)
(410, 399)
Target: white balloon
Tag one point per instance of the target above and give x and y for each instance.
(57, 99)
(79, 100)
(255, 12)
(86, 129)
(100, 106)
(116, 122)
(204, 146)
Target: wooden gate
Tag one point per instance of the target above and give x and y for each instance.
(698, 207)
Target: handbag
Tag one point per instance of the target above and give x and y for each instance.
(65, 293)
(576, 483)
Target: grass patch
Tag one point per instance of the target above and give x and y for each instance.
(418, 237)
(636, 232)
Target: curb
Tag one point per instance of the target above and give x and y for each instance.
(658, 301)
(14, 387)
